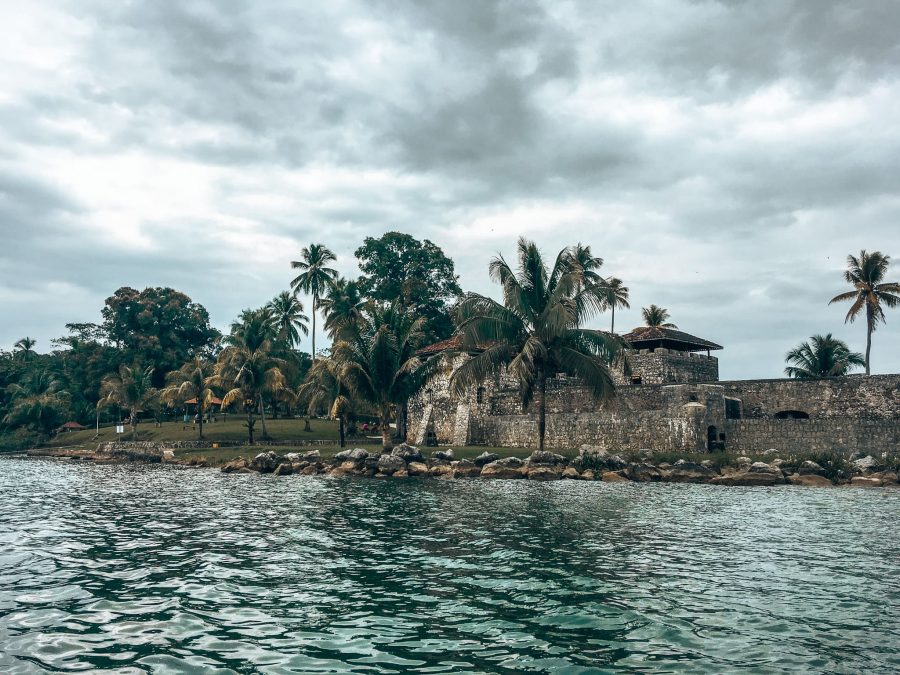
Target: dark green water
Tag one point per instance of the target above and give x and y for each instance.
(162, 569)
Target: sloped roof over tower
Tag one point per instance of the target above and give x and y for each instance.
(651, 337)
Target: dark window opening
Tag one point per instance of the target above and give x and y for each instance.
(635, 379)
(479, 395)
(714, 441)
(693, 398)
(732, 409)
(791, 415)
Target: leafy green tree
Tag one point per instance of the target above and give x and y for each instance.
(191, 381)
(343, 306)
(378, 362)
(314, 279)
(158, 326)
(656, 317)
(822, 356)
(287, 312)
(616, 296)
(871, 292)
(537, 331)
(132, 389)
(324, 388)
(39, 402)
(247, 367)
(398, 267)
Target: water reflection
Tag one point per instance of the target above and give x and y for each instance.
(163, 569)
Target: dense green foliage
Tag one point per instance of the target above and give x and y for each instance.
(822, 356)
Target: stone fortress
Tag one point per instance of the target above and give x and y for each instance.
(671, 400)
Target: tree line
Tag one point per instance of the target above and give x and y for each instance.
(154, 350)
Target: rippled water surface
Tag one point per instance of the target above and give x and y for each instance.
(165, 569)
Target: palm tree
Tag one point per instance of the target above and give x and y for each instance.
(247, 366)
(536, 332)
(378, 361)
(657, 317)
(287, 312)
(40, 401)
(342, 306)
(131, 389)
(822, 356)
(190, 381)
(870, 291)
(314, 279)
(323, 387)
(617, 296)
(24, 348)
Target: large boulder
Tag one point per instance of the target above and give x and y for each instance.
(809, 480)
(465, 468)
(486, 458)
(417, 469)
(239, 465)
(407, 453)
(887, 477)
(749, 478)
(356, 455)
(283, 469)
(441, 470)
(865, 464)
(866, 481)
(688, 472)
(762, 467)
(390, 464)
(266, 462)
(508, 467)
(809, 468)
(446, 455)
(543, 472)
(644, 473)
(546, 458)
(571, 473)
(613, 477)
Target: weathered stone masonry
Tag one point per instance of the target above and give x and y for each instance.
(696, 414)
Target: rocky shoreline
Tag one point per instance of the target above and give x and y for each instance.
(591, 464)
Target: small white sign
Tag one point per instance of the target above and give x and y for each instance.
(120, 428)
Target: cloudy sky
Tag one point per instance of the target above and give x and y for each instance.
(723, 157)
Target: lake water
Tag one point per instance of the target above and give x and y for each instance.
(165, 569)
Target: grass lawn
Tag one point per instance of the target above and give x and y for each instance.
(231, 429)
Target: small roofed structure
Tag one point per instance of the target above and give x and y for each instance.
(72, 426)
(212, 401)
(652, 337)
(452, 343)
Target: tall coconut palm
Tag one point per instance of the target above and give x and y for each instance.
(39, 401)
(537, 331)
(323, 387)
(822, 356)
(247, 367)
(287, 313)
(132, 388)
(314, 279)
(191, 381)
(656, 316)
(342, 306)
(617, 296)
(378, 361)
(871, 292)
(24, 349)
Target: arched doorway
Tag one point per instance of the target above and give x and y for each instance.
(792, 415)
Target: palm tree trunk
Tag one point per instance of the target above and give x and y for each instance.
(386, 443)
(315, 303)
(542, 411)
(341, 429)
(262, 416)
(612, 327)
(133, 422)
(870, 320)
(200, 410)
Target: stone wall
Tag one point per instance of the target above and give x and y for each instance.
(667, 366)
(758, 435)
(857, 396)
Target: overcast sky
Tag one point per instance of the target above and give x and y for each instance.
(723, 157)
